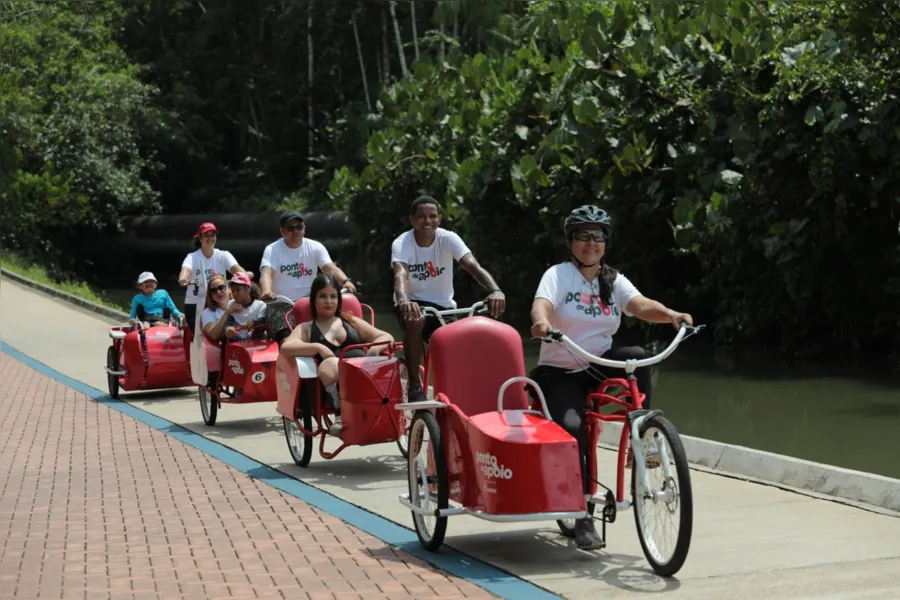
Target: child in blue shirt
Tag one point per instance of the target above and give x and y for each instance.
(148, 307)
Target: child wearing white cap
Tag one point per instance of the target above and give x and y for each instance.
(148, 307)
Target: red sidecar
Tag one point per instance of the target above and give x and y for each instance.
(369, 387)
(479, 445)
(240, 372)
(152, 359)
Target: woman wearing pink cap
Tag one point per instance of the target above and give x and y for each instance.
(201, 264)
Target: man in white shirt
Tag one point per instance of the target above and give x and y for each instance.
(422, 260)
(290, 264)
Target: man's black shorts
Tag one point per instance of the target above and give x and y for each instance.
(431, 322)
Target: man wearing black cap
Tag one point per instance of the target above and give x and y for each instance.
(290, 264)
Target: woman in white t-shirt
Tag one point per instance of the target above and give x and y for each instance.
(584, 298)
(201, 264)
(218, 312)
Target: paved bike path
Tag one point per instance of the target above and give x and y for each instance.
(749, 540)
(96, 504)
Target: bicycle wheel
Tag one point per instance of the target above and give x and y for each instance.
(112, 381)
(300, 445)
(669, 499)
(209, 406)
(429, 485)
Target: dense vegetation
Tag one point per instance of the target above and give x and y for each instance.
(748, 149)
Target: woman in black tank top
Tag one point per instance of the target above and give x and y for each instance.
(351, 338)
(326, 336)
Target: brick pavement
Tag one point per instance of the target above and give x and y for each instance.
(95, 504)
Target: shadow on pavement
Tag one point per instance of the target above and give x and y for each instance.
(228, 429)
(155, 396)
(545, 552)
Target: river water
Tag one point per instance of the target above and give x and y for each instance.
(814, 415)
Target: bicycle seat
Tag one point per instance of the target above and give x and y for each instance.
(471, 358)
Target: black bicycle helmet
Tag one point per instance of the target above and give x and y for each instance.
(587, 215)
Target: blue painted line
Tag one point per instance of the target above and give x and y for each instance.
(488, 577)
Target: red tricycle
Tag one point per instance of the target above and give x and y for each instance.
(482, 446)
(240, 372)
(369, 388)
(479, 307)
(147, 359)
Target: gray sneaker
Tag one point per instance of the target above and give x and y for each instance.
(337, 427)
(586, 536)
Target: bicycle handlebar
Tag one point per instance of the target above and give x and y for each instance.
(557, 336)
(440, 314)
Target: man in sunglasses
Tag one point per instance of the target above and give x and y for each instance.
(290, 264)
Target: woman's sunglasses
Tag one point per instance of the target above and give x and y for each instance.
(219, 289)
(598, 235)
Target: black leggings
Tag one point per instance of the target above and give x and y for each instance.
(190, 314)
(566, 392)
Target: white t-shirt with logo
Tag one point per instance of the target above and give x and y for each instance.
(431, 268)
(294, 268)
(203, 268)
(579, 313)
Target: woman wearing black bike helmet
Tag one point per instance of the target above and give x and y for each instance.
(584, 298)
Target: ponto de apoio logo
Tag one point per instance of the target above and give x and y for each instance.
(490, 468)
(236, 367)
(282, 377)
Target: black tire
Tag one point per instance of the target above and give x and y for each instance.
(301, 455)
(567, 526)
(112, 381)
(684, 501)
(209, 407)
(422, 422)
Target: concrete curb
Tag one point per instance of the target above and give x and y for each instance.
(117, 316)
(726, 459)
(783, 471)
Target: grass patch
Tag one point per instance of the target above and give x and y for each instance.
(11, 262)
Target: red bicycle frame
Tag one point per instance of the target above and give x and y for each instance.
(630, 399)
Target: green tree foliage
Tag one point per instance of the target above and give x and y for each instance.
(235, 87)
(72, 110)
(747, 149)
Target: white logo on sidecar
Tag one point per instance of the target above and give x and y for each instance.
(236, 367)
(258, 377)
(490, 468)
(282, 377)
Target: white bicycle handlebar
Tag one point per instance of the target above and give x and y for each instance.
(628, 365)
(440, 314)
